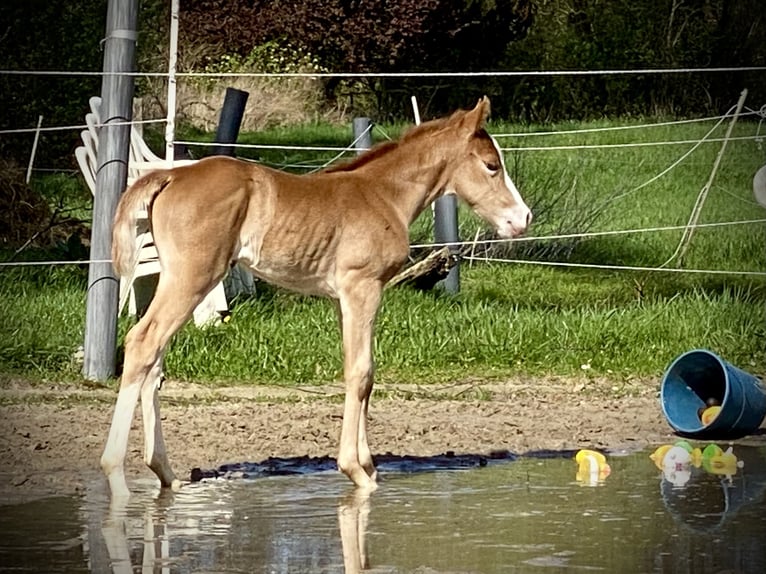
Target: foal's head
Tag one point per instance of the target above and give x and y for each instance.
(479, 176)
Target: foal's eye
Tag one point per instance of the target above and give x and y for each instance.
(491, 166)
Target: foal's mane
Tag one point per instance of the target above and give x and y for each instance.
(384, 148)
(373, 153)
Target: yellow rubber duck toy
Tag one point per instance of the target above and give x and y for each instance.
(709, 414)
(592, 467)
(715, 460)
(695, 453)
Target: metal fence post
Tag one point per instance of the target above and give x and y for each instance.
(228, 124)
(446, 231)
(100, 345)
(362, 134)
(445, 224)
(239, 281)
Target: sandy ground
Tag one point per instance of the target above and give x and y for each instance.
(51, 435)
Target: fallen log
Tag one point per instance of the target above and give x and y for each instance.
(427, 272)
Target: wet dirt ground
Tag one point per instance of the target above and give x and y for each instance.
(51, 434)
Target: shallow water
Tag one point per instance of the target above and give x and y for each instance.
(527, 515)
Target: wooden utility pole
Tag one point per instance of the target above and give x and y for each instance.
(113, 150)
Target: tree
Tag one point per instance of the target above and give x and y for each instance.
(370, 36)
(624, 34)
(40, 35)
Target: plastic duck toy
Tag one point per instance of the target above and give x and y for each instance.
(695, 453)
(676, 464)
(709, 414)
(676, 456)
(659, 455)
(715, 460)
(592, 467)
(676, 461)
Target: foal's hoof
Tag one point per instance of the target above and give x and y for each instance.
(176, 485)
(367, 486)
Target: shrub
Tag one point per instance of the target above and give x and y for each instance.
(271, 102)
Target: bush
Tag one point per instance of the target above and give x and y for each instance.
(271, 102)
(44, 215)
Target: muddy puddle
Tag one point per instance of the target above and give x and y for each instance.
(530, 514)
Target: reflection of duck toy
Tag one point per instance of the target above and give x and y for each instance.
(592, 467)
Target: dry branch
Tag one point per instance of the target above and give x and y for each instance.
(424, 274)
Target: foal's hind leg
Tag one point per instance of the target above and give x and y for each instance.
(171, 307)
(155, 453)
(113, 457)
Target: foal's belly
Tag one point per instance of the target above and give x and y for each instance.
(310, 275)
(296, 279)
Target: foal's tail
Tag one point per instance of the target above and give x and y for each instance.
(137, 197)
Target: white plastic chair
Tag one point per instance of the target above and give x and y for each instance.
(759, 186)
(138, 288)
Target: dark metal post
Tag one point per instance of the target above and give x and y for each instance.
(446, 231)
(362, 134)
(239, 280)
(231, 119)
(100, 346)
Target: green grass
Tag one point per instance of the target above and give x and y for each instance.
(43, 315)
(509, 319)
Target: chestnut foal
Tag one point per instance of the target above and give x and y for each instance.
(341, 233)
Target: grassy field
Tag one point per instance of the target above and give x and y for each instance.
(510, 319)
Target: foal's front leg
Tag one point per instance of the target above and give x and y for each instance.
(359, 302)
(363, 447)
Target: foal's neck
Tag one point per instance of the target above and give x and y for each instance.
(414, 179)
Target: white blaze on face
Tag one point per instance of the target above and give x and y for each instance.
(519, 216)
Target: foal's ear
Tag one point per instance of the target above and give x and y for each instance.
(475, 119)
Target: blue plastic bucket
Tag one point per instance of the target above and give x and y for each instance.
(699, 376)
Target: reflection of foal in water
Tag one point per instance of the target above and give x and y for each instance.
(341, 233)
